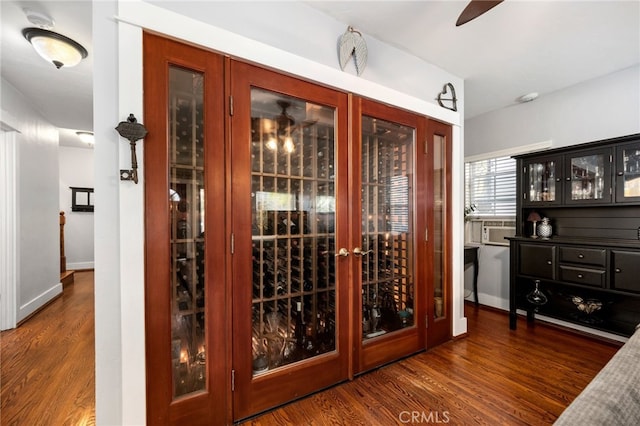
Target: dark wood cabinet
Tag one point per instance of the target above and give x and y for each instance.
(587, 271)
(625, 266)
(537, 260)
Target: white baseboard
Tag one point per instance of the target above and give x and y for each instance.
(38, 302)
(76, 266)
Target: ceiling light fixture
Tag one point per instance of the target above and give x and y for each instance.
(86, 137)
(55, 48)
(528, 97)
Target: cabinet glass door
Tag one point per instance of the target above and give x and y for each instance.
(289, 213)
(541, 177)
(627, 173)
(588, 177)
(385, 252)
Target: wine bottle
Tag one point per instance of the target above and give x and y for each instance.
(299, 331)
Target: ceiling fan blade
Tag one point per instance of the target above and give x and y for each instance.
(476, 8)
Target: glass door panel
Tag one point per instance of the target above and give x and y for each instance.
(588, 178)
(186, 195)
(540, 181)
(387, 227)
(293, 230)
(628, 173)
(439, 203)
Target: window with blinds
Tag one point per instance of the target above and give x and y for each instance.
(490, 186)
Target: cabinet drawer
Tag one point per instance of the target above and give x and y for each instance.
(593, 277)
(583, 256)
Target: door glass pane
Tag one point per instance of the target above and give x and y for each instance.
(387, 227)
(542, 181)
(587, 177)
(439, 205)
(631, 169)
(293, 216)
(186, 196)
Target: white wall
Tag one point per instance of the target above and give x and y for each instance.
(108, 315)
(120, 373)
(601, 108)
(77, 170)
(37, 221)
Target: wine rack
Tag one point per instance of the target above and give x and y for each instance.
(293, 244)
(186, 195)
(387, 278)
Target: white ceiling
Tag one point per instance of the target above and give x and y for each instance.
(63, 96)
(516, 48)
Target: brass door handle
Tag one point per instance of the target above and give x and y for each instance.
(358, 252)
(343, 252)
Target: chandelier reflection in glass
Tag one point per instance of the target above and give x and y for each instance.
(279, 130)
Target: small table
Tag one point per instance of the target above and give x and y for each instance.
(471, 258)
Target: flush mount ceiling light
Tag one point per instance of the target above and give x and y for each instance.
(86, 137)
(528, 97)
(61, 51)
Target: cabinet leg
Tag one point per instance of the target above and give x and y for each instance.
(513, 320)
(530, 316)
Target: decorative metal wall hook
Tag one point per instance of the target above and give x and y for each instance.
(351, 43)
(132, 131)
(453, 99)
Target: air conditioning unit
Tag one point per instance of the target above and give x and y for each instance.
(491, 231)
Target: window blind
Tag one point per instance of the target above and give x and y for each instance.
(490, 185)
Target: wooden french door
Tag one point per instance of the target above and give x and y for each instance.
(326, 249)
(290, 225)
(388, 193)
(186, 307)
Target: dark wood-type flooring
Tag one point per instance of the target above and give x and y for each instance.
(493, 376)
(48, 362)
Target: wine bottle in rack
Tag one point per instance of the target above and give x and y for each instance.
(299, 330)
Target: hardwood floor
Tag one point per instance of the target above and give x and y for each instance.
(492, 376)
(48, 362)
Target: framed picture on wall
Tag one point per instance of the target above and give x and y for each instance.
(81, 199)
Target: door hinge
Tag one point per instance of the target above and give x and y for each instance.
(230, 105)
(426, 234)
(233, 243)
(233, 380)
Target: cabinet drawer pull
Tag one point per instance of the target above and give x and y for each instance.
(620, 173)
(580, 276)
(568, 179)
(618, 270)
(581, 256)
(548, 262)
